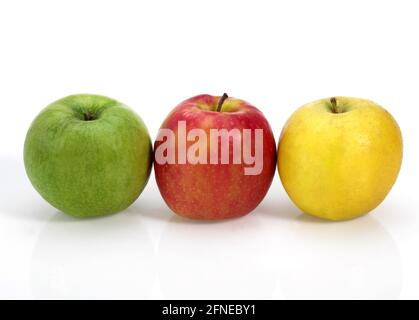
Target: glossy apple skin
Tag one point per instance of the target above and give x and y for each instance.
(88, 168)
(216, 191)
(339, 166)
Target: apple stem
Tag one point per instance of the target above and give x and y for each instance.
(88, 116)
(334, 105)
(221, 101)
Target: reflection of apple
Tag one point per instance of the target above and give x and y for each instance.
(110, 258)
(88, 155)
(215, 190)
(357, 259)
(195, 262)
(338, 158)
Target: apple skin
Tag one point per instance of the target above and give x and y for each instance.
(215, 191)
(88, 155)
(339, 166)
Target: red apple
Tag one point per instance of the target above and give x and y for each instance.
(215, 158)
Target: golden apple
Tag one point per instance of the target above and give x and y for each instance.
(339, 157)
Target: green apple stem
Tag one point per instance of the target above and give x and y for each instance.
(334, 105)
(221, 101)
(89, 116)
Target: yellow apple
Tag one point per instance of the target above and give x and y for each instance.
(339, 157)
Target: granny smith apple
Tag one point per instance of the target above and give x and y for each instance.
(339, 157)
(215, 158)
(88, 155)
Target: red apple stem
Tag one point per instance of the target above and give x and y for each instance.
(221, 101)
(334, 105)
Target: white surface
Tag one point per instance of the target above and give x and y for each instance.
(151, 55)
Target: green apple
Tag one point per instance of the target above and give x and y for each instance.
(88, 155)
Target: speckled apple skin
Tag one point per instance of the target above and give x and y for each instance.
(88, 168)
(216, 191)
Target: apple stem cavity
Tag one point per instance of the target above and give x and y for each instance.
(334, 105)
(221, 101)
(89, 116)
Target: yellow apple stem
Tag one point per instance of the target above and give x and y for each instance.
(221, 101)
(334, 105)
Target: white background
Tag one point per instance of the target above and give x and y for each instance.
(152, 55)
